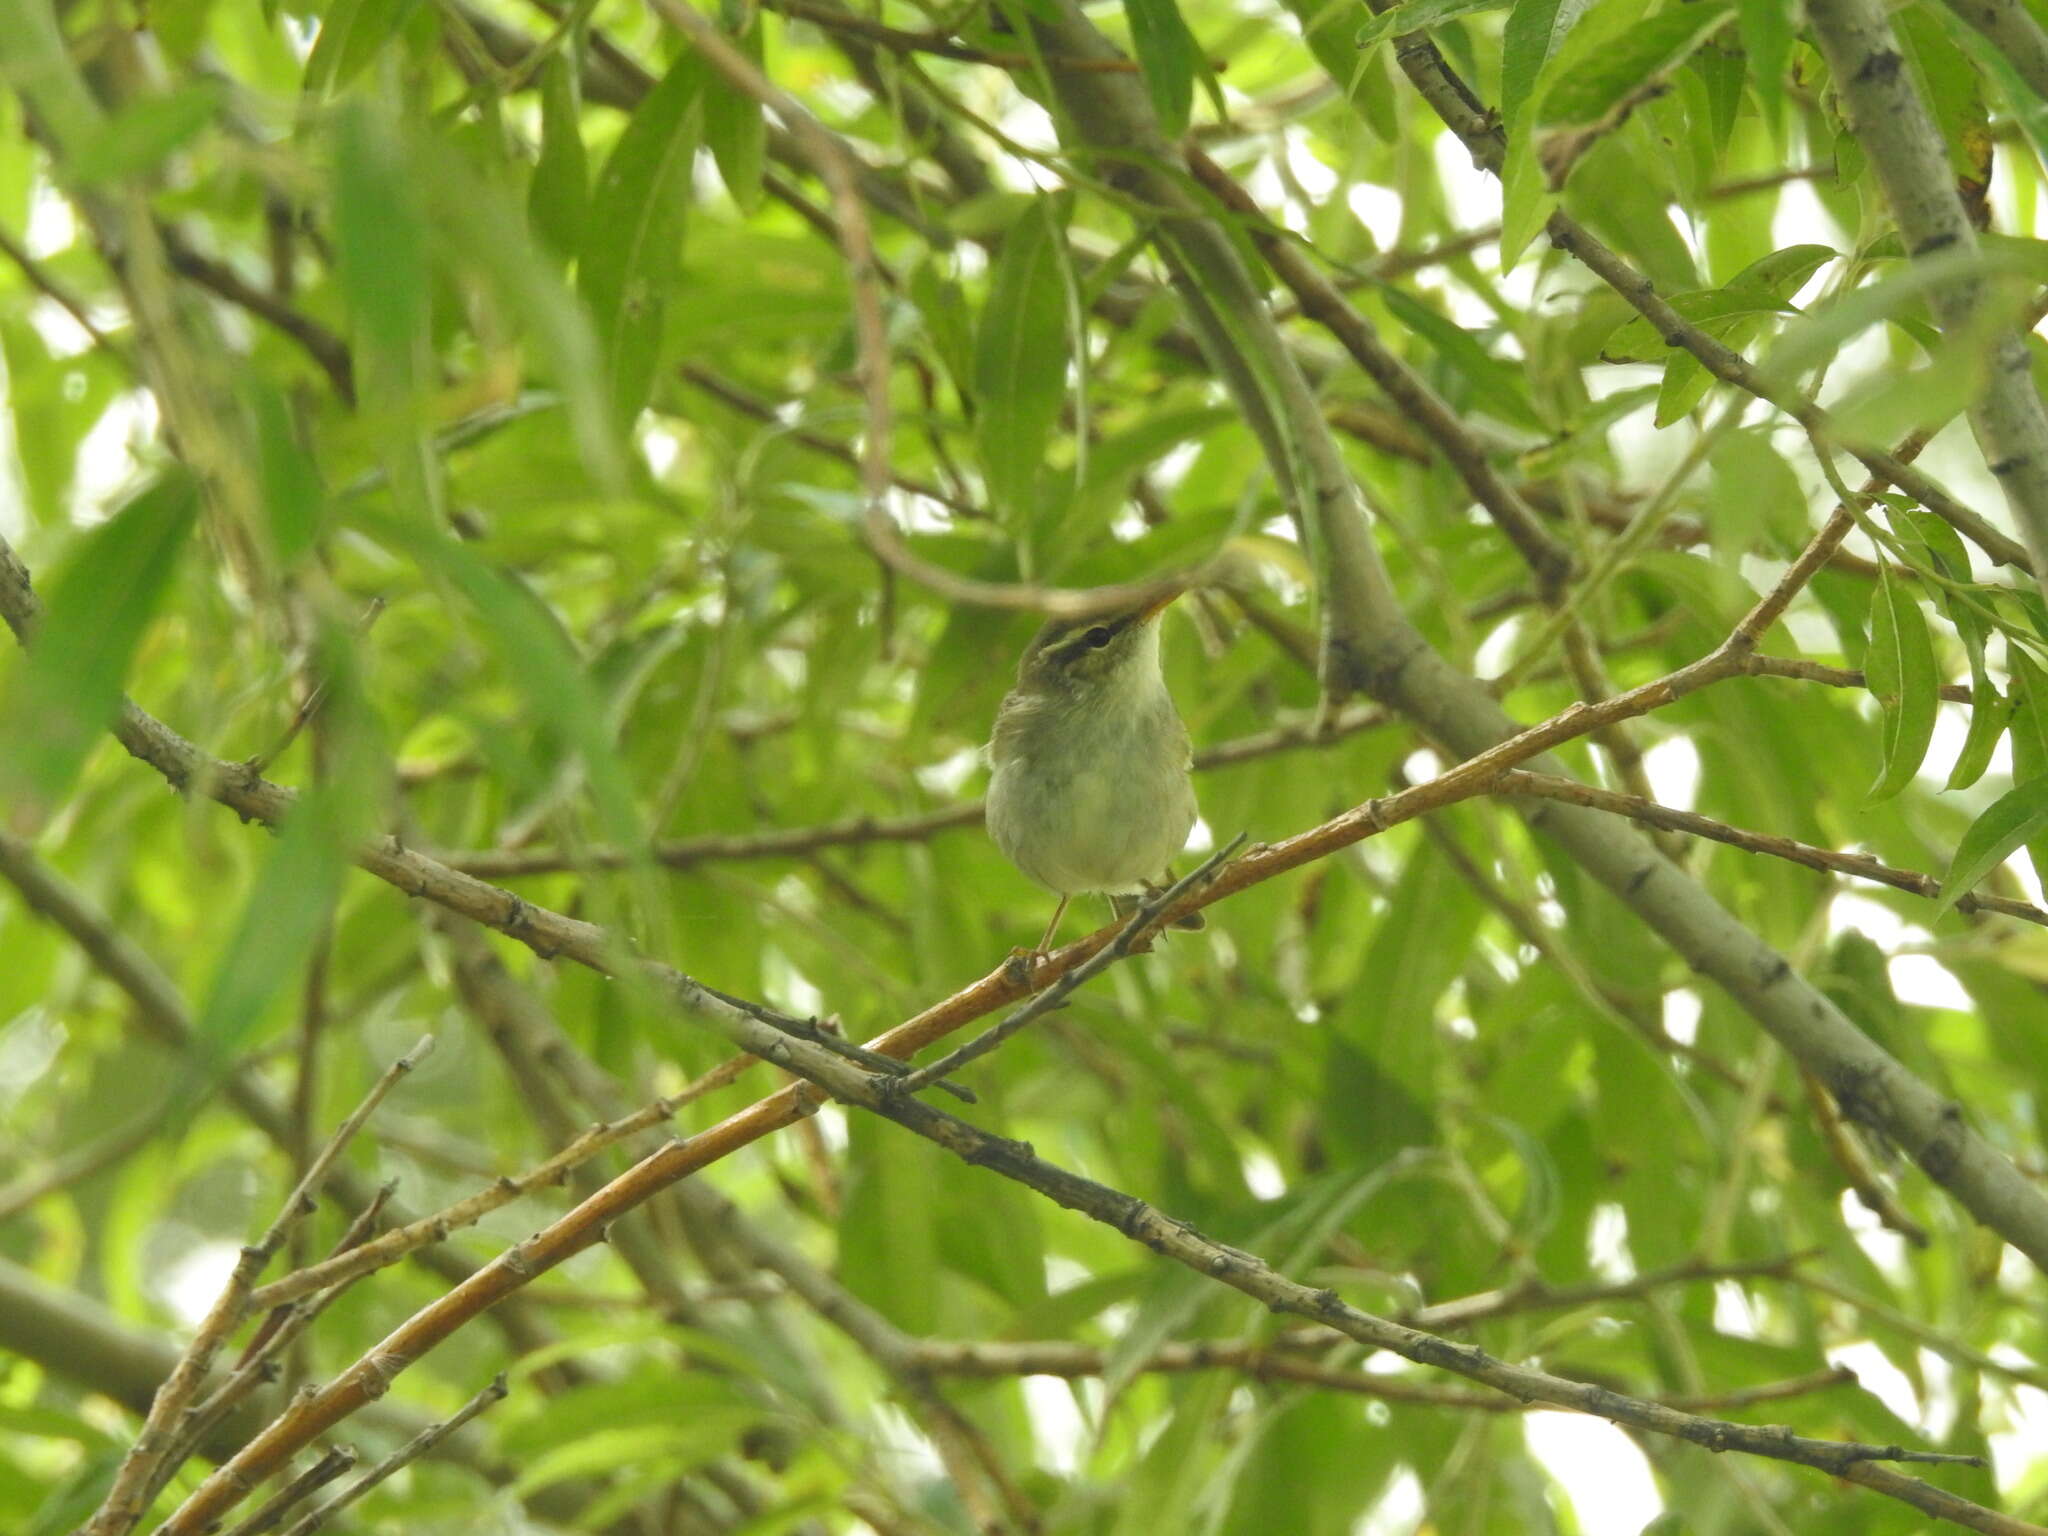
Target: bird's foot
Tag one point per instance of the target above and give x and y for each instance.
(1021, 962)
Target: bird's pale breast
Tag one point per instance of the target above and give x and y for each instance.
(1092, 799)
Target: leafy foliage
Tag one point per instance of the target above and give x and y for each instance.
(467, 435)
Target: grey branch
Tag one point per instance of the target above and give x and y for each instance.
(1905, 149)
(1109, 118)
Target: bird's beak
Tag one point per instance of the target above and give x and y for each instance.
(1159, 604)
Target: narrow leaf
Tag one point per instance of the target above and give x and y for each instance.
(1989, 712)
(1169, 57)
(733, 128)
(98, 607)
(633, 247)
(1020, 361)
(1502, 389)
(350, 34)
(1635, 61)
(292, 494)
(1535, 29)
(142, 134)
(1420, 16)
(1766, 29)
(560, 193)
(2015, 817)
(1901, 674)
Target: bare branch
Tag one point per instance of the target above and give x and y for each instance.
(410, 1452)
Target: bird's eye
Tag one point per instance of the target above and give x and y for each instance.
(1097, 637)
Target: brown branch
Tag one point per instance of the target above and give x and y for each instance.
(1242, 1271)
(411, 1451)
(856, 831)
(326, 349)
(126, 1498)
(309, 1482)
(552, 933)
(40, 279)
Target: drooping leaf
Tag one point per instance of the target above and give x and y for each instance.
(380, 227)
(292, 494)
(2015, 817)
(351, 33)
(632, 250)
(142, 134)
(1631, 64)
(1169, 56)
(1535, 28)
(98, 606)
(1767, 38)
(1020, 360)
(733, 127)
(1420, 16)
(1901, 672)
(1497, 386)
(560, 194)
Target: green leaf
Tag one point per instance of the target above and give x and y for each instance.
(1766, 28)
(2028, 723)
(560, 193)
(1951, 88)
(1568, 38)
(142, 134)
(537, 658)
(351, 33)
(480, 221)
(1901, 673)
(2015, 817)
(1495, 385)
(1169, 56)
(1759, 291)
(1632, 63)
(97, 609)
(733, 126)
(380, 228)
(292, 494)
(632, 250)
(1989, 712)
(1420, 16)
(1823, 330)
(1535, 28)
(1020, 361)
(2026, 106)
(280, 923)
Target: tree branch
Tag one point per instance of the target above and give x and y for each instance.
(1905, 149)
(1377, 650)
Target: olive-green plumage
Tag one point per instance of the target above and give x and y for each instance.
(1091, 789)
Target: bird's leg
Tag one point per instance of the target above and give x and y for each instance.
(1022, 962)
(1053, 927)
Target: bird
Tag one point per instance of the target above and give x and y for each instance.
(1090, 788)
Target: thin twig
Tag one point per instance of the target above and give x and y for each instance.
(300, 1488)
(1862, 866)
(125, 1499)
(411, 1451)
(1149, 915)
